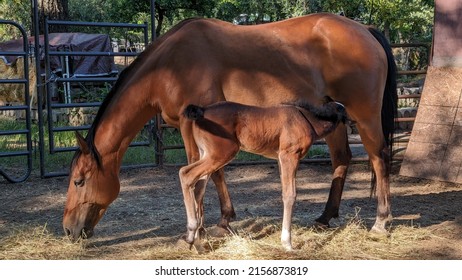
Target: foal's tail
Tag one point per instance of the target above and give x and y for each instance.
(194, 112)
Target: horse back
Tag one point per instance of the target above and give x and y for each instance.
(307, 57)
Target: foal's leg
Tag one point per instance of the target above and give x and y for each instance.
(192, 153)
(288, 164)
(216, 155)
(340, 154)
(189, 175)
(380, 160)
(227, 209)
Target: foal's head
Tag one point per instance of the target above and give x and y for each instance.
(324, 119)
(91, 189)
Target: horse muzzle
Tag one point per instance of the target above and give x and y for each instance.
(75, 235)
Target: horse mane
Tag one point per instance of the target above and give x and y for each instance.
(326, 112)
(123, 77)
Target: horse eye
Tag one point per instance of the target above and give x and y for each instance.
(79, 182)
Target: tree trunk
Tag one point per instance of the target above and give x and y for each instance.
(160, 20)
(54, 10)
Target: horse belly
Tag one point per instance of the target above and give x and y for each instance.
(258, 138)
(264, 89)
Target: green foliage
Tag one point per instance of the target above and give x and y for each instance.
(405, 20)
(15, 10)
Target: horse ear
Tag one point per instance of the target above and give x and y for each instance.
(82, 143)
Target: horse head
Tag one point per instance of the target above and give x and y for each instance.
(91, 189)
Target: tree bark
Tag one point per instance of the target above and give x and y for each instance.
(53, 10)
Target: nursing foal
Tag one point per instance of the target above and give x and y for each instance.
(284, 132)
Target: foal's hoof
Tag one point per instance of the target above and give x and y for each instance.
(378, 233)
(181, 244)
(287, 247)
(202, 247)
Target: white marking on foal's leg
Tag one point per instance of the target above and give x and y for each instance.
(286, 239)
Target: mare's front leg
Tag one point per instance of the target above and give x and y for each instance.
(288, 164)
(340, 155)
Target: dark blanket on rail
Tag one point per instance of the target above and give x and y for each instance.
(80, 66)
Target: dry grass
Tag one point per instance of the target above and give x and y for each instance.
(256, 239)
(37, 243)
(14, 93)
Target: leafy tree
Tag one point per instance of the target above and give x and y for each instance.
(409, 20)
(21, 11)
(18, 11)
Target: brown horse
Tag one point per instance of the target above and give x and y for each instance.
(284, 133)
(203, 61)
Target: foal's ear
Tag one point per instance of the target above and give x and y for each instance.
(82, 143)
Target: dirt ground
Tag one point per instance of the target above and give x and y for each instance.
(150, 207)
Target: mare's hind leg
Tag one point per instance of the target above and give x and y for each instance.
(380, 160)
(340, 154)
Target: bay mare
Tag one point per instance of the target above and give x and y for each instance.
(203, 61)
(284, 132)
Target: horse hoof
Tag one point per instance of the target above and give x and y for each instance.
(182, 244)
(378, 233)
(288, 247)
(321, 226)
(202, 247)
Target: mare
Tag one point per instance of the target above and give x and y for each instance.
(284, 132)
(203, 61)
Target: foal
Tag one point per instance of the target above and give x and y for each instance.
(284, 132)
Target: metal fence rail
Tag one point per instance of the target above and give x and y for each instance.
(27, 152)
(53, 79)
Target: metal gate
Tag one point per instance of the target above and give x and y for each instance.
(16, 140)
(40, 142)
(60, 100)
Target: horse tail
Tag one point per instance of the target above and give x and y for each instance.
(194, 112)
(389, 101)
(390, 95)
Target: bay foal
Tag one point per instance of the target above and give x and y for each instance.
(284, 132)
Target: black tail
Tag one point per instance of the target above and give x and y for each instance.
(194, 112)
(389, 103)
(390, 96)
